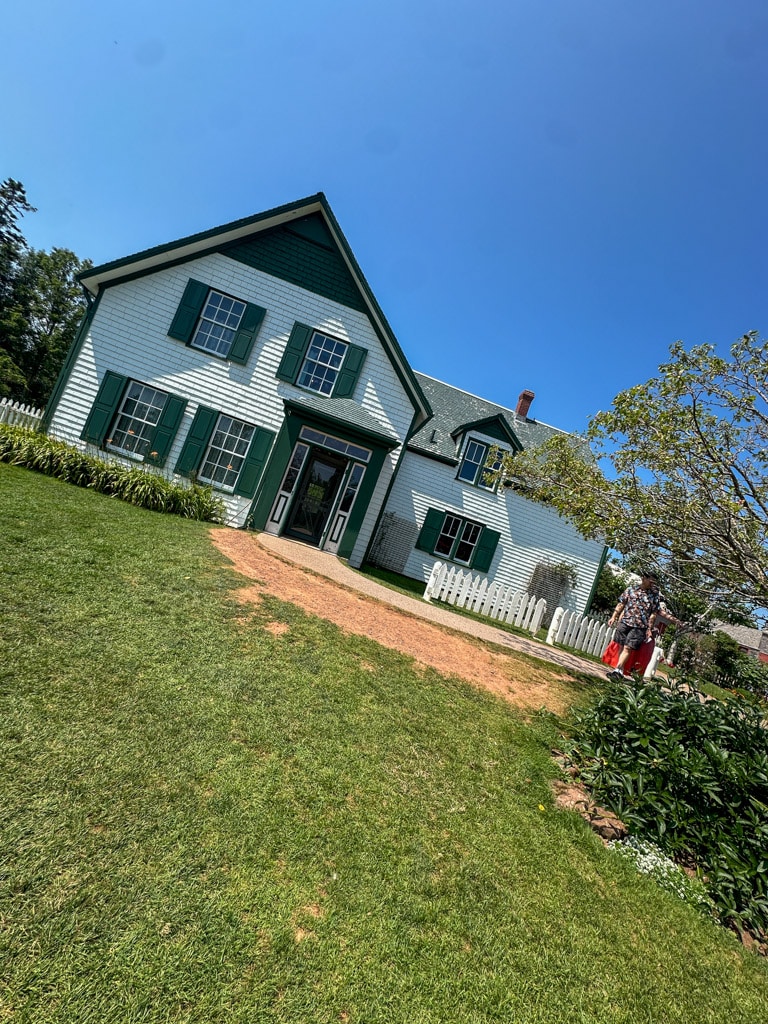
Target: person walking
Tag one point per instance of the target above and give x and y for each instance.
(634, 616)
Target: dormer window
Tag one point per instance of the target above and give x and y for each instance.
(473, 467)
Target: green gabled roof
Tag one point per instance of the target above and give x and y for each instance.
(491, 426)
(300, 242)
(344, 413)
(455, 412)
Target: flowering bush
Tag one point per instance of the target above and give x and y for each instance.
(650, 860)
(139, 485)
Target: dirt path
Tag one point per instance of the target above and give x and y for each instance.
(510, 676)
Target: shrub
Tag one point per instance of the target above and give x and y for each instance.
(690, 775)
(650, 860)
(138, 485)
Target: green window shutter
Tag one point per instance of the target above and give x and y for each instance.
(430, 531)
(349, 372)
(246, 333)
(190, 308)
(293, 357)
(104, 407)
(165, 430)
(250, 474)
(197, 440)
(485, 550)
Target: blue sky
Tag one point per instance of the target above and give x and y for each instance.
(543, 194)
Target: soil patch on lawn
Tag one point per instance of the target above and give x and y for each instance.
(513, 677)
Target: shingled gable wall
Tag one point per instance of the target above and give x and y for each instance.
(129, 335)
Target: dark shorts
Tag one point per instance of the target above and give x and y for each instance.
(632, 637)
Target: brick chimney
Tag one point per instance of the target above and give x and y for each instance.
(524, 404)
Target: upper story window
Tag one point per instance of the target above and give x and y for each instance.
(474, 466)
(322, 363)
(136, 420)
(218, 324)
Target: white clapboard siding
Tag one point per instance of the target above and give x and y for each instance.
(463, 589)
(17, 415)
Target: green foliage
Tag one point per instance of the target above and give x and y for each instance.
(716, 659)
(41, 305)
(649, 859)
(138, 485)
(610, 586)
(686, 472)
(690, 775)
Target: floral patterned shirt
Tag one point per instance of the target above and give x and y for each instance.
(639, 605)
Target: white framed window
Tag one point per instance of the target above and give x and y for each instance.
(335, 444)
(321, 363)
(218, 324)
(458, 538)
(136, 419)
(473, 466)
(226, 452)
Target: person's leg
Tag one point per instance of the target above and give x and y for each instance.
(630, 638)
(625, 653)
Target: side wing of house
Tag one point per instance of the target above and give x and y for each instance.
(253, 360)
(442, 507)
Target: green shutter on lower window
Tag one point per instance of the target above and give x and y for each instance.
(293, 357)
(104, 407)
(165, 430)
(485, 550)
(349, 373)
(197, 441)
(253, 465)
(191, 306)
(430, 531)
(246, 333)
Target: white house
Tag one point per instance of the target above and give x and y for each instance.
(254, 357)
(443, 506)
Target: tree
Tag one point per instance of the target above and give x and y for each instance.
(611, 584)
(41, 304)
(685, 486)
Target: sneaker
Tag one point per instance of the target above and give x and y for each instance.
(615, 673)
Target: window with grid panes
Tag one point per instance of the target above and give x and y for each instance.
(226, 452)
(457, 539)
(473, 467)
(136, 419)
(321, 364)
(218, 324)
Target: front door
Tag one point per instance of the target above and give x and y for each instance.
(312, 505)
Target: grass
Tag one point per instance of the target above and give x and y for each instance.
(211, 814)
(415, 588)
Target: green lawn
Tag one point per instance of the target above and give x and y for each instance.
(203, 821)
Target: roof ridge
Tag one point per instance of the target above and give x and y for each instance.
(489, 401)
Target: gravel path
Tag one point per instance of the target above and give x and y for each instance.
(450, 643)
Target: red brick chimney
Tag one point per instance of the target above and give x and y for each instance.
(524, 404)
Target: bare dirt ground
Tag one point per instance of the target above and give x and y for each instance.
(513, 677)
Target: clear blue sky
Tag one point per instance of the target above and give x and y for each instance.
(543, 194)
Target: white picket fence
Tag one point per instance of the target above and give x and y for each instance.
(463, 589)
(572, 629)
(580, 633)
(18, 415)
